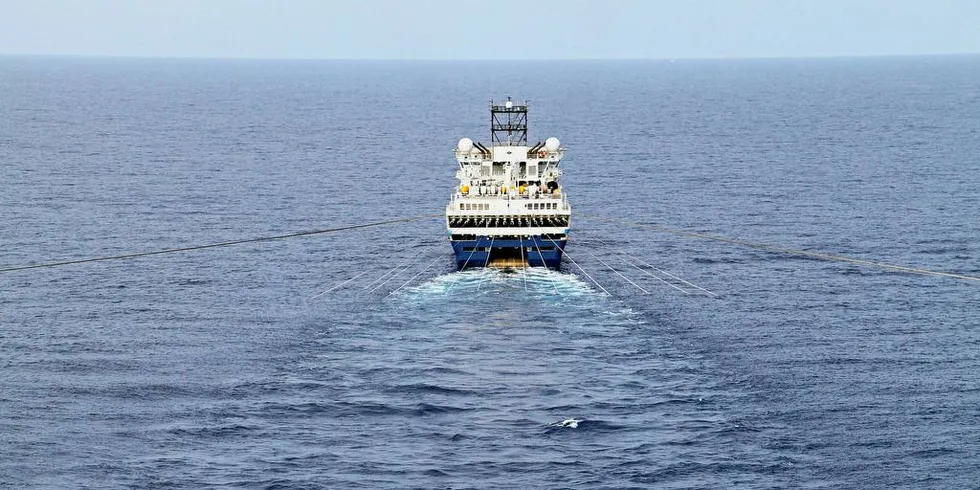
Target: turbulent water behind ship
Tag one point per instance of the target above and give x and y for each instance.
(219, 368)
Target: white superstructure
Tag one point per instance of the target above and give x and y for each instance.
(509, 198)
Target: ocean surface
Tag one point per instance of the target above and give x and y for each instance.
(247, 366)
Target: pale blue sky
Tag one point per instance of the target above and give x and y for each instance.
(488, 29)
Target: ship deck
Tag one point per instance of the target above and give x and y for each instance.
(507, 262)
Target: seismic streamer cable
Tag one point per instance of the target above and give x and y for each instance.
(792, 251)
(221, 244)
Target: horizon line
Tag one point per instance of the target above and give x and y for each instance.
(658, 59)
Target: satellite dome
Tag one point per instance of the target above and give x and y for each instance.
(552, 144)
(465, 145)
(509, 105)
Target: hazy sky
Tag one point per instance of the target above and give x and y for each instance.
(496, 29)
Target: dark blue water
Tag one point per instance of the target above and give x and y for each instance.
(220, 367)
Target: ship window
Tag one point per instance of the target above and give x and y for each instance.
(461, 206)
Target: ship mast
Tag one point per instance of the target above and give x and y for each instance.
(508, 124)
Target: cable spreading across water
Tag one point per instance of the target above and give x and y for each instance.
(220, 244)
(663, 229)
(792, 251)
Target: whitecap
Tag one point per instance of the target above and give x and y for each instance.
(571, 423)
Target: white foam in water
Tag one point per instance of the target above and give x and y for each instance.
(447, 283)
(571, 423)
(538, 280)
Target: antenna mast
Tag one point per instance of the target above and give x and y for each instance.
(508, 124)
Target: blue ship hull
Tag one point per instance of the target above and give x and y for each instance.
(537, 251)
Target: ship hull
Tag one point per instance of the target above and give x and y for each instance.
(530, 251)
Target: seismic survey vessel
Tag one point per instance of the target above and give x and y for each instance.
(509, 208)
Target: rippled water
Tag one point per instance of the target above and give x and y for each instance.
(227, 367)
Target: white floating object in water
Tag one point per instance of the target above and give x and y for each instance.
(571, 423)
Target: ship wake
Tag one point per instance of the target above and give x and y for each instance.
(534, 280)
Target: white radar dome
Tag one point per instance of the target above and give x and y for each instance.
(509, 105)
(552, 144)
(465, 145)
